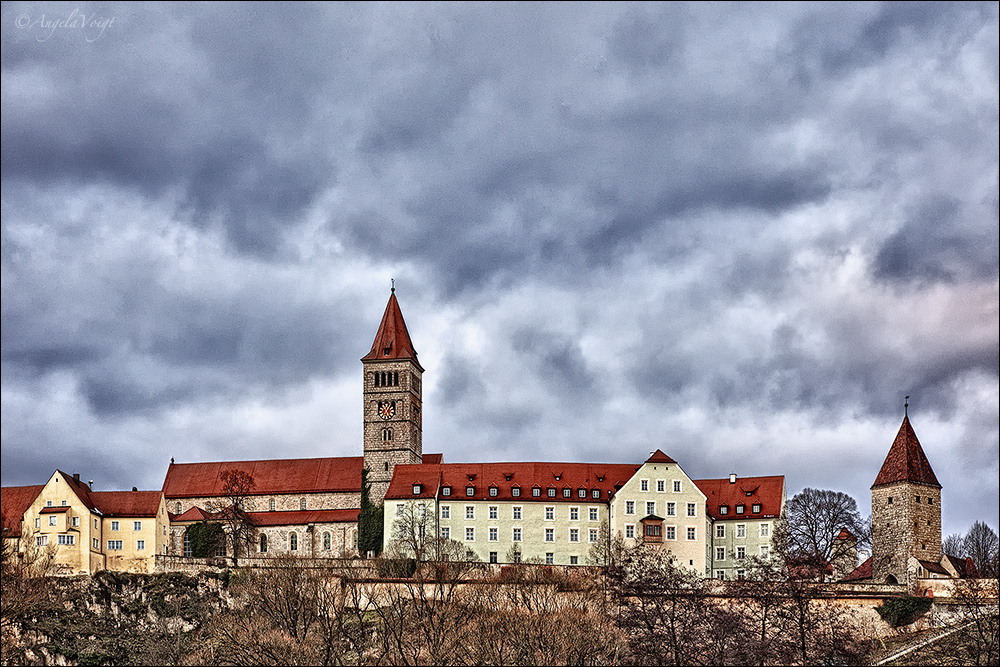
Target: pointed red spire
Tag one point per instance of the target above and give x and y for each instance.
(906, 461)
(392, 340)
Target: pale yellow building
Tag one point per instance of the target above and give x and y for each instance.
(84, 531)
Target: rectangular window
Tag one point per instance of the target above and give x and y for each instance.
(140, 545)
(446, 491)
(494, 534)
(756, 508)
(671, 509)
(740, 508)
(692, 533)
(76, 521)
(536, 492)
(720, 530)
(470, 534)
(470, 511)
(629, 507)
(52, 520)
(114, 545)
(516, 510)
(644, 485)
(38, 523)
(445, 533)
(446, 511)
(720, 553)
(567, 493)
(493, 492)
(95, 523)
(661, 485)
(741, 552)
(550, 513)
(400, 508)
(574, 560)
(63, 502)
(550, 558)
(96, 544)
(629, 531)
(650, 507)
(720, 574)
(765, 551)
(741, 530)
(550, 534)
(470, 491)
(516, 492)
(593, 514)
(494, 512)
(692, 509)
(67, 539)
(137, 525)
(765, 530)
(552, 493)
(593, 534)
(582, 493)
(517, 535)
(574, 534)
(574, 513)
(677, 486)
(596, 493)
(41, 540)
(671, 532)
(493, 557)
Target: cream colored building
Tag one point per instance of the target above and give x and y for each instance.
(85, 531)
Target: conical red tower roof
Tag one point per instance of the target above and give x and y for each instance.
(906, 461)
(392, 340)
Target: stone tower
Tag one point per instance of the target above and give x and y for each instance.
(392, 385)
(906, 510)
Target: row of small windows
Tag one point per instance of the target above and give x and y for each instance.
(515, 492)
(70, 540)
(517, 534)
(661, 485)
(741, 509)
(517, 512)
(671, 508)
(930, 501)
(741, 552)
(386, 379)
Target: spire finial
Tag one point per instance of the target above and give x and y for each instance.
(906, 404)
(392, 282)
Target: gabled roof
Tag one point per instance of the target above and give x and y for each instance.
(906, 461)
(659, 457)
(192, 514)
(127, 503)
(861, 572)
(931, 566)
(303, 517)
(275, 476)
(845, 534)
(966, 567)
(81, 490)
(392, 341)
(604, 477)
(14, 501)
(768, 491)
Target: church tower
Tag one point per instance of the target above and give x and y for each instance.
(392, 386)
(906, 510)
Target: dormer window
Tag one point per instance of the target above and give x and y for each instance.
(515, 491)
(536, 492)
(596, 493)
(493, 492)
(740, 509)
(552, 493)
(417, 488)
(756, 508)
(470, 491)
(723, 509)
(567, 493)
(600, 478)
(582, 493)
(446, 491)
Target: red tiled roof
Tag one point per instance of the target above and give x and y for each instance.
(966, 567)
(127, 503)
(326, 475)
(845, 534)
(81, 490)
(861, 572)
(906, 461)
(392, 340)
(192, 514)
(54, 510)
(659, 457)
(931, 566)
(302, 517)
(605, 477)
(14, 500)
(432, 458)
(768, 491)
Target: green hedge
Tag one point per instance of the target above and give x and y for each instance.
(904, 610)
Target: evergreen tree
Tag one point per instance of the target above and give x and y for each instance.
(369, 520)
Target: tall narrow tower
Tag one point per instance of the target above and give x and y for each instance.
(392, 385)
(906, 510)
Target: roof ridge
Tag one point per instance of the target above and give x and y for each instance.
(392, 340)
(906, 461)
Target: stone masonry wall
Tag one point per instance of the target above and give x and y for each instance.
(384, 453)
(909, 525)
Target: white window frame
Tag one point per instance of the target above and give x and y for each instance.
(470, 534)
(136, 526)
(516, 534)
(445, 511)
(516, 512)
(720, 553)
(140, 545)
(400, 509)
(494, 534)
(550, 534)
(678, 486)
(692, 509)
(574, 534)
(630, 531)
(671, 508)
(550, 513)
(691, 534)
(594, 535)
(644, 485)
(670, 533)
(741, 552)
(661, 486)
(494, 512)
(765, 529)
(574, 513)
(764, 550)
(630, 507)
(445, 532)
(470, 512)
(593, 514)
(720, 531)
(53, 519)
(650, 507)
(741, 531)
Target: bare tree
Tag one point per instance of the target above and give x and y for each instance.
(814, 519)
(24, 590)
(954, 545)
(237, 487)
(981, 545)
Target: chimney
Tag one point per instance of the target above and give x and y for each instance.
(134, 488)
(76, 477)
(91, 483)
(732, 478)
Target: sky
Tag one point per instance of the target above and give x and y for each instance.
(739, 233)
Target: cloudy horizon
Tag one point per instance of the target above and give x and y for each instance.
(739, 233)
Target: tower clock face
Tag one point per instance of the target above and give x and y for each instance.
(386, 409)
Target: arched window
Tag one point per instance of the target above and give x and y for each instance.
(386, 434)
(187, 545)
(326, 541)
(395, 379)
(293, 542)
(263, 543)
(178, 508)
(302, 503)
